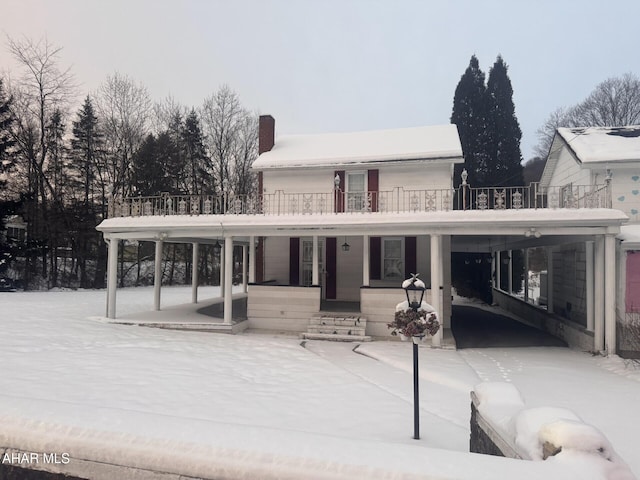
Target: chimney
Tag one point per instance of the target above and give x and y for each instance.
(266, 133)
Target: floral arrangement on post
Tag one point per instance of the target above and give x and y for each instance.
(410, 323)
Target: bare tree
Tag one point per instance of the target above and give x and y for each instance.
(230, 133)
(124, 108)
(613, 103)
(45, 91)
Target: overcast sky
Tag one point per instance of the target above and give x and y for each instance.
(342, 65)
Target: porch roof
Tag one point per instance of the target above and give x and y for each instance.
(187, 228)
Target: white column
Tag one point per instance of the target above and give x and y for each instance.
(598, 296)
(436, 274)
(365, 261)
(112, 277)
(195, 258)
(222, 263)
(526, 274)
(315, 260)
(228, 279)
(549, 279)
(157, 276)
(510, 272)
(498, 265)
(252, 259)
(610, 294)
(590, 285)
(245, 261)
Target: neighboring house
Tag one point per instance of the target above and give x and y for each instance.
(15, 229)
(589, 156)
(341, 219)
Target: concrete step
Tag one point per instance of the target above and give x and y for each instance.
(336, 329)
(345, 321)
(336, 337)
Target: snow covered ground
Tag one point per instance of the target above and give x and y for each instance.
(265, 406)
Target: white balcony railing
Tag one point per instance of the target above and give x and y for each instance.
(338, 202)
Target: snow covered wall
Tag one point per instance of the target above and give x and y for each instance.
(501, 425)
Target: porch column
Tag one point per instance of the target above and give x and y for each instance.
(157, 275)
(195, 257)
(245, 261)
(526, 274)
(252, 259)
(590, 284)
(315, 267)
(497, 259)
(365, 260)
(510, 272)
(598, 295)
(112, 277)
(549, 279)
(228, 279)
(222, 265)
(436, 269)
(610, 293)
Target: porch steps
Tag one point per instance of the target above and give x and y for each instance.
(338, 327)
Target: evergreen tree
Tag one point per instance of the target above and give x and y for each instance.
(195, 155)
(503, 130)
(469, 114)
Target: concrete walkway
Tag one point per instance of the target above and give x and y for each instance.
(475, 327)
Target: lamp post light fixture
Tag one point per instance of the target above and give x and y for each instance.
(414, 290)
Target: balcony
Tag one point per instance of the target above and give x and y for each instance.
(392, 201)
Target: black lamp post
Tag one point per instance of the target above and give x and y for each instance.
(414, 289)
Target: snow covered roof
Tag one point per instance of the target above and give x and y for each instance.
(337, 149)
(603, 144)
(630, 236)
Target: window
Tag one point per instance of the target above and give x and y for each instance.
(392, 264)
(356, 191)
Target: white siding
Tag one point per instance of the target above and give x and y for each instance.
(568, 170)
(276, 264)
(625, 191)
(349, 269)
(282, 308)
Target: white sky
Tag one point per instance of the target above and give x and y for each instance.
(339, 65)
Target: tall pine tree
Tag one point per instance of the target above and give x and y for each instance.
(503, 130)
(470, 115)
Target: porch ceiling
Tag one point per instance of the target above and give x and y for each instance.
(476, 223)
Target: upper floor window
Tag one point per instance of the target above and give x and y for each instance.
(356, 191)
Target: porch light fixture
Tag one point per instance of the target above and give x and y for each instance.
(217, 248)
(345, 245)
(414, 290)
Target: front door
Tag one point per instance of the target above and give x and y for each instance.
(331, 268)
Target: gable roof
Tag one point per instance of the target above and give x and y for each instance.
(603, 144)
(439, 142)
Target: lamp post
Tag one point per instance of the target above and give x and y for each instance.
(414, 290)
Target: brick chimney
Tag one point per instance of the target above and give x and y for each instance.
(266, 133)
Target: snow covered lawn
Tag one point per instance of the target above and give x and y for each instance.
(265, 406)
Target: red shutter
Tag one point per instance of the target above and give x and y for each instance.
(294, 261)
(410, 256)
(331, 267)
(260, 260)
(372, 182)
(339, 192)
(375, 258)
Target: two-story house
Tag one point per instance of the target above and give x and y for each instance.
(340, 220)
(591, 156)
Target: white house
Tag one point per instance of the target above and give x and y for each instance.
(589, 156)
(341, 219)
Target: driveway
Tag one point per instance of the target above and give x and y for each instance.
(475, 327)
